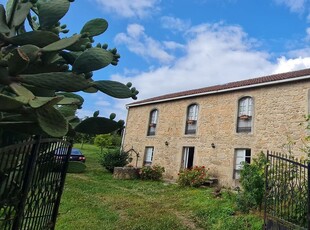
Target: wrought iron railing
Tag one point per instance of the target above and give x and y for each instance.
(287, 193)
(31, 183)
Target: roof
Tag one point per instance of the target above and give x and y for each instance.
(232, 86)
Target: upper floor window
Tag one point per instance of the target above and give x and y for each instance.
(191, 119)
(245, 111)
(152, 122)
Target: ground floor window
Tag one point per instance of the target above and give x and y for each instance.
(241, 155)
(188, 157)
(148, 156)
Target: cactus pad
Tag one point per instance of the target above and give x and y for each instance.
(114, 89)
(72, 95)
(51, 121)
(9, 103)
(92, 59)
(97, 125)
(60, 81)
(95, 27)
(22, 91)
(41, 101)
(37, 38)
(21, 13)
(3, 26)
(61, 44)
(50, 12)
(31, 51)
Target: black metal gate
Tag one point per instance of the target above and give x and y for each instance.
(287, 193)
(31, 183)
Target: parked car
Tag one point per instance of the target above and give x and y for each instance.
(75, 155)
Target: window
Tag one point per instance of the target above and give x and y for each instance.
(191, 119)
(241, 155)
(148, 156)
(152, 123)
(187, 157)
(245, 110)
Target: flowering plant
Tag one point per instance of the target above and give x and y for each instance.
(193, 177)
(151, 172)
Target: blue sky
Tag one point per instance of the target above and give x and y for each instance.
(173, 45)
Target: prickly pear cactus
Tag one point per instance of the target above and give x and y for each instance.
(42, 69)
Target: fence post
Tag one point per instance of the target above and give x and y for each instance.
(308, 198)
(28, 176)
(266, 189)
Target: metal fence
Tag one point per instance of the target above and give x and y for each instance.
(31, 183)
(287, 193)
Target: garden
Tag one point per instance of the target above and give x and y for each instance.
(94, 200)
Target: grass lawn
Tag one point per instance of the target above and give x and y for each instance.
(94, 200)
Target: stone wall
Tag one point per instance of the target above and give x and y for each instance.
(278, 119)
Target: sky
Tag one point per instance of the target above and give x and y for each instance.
(169, 46)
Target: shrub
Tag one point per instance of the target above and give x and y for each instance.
(113, 158)
(245, 202)
(194, 177)
(252, 179)
(152, 172)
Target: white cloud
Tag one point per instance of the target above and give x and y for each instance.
(286, 65)
(296, 6)
(138, 42)
(132, 8)
(173, 23)
(215, 54)
(173, 45)
(299, 53)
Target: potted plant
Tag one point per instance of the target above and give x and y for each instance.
(190, 122)
(244, 117)
(152, 125)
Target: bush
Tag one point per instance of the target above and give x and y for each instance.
(194, 177)
(114, 158)
(252, 179)
(152, 172)
(245, 202)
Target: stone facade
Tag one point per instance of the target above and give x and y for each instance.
(278, 121)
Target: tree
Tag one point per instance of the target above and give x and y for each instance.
(40, 71)
(103, 141)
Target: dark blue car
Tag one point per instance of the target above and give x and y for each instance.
(76, 155)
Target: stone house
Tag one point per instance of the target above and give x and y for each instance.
(220, 126)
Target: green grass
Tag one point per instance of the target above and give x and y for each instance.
(94, 200)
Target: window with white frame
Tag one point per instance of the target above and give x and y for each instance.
(152, 122)
(191, 119)
(241, 156)
(148, 156)
(187, 157)
(245, 114)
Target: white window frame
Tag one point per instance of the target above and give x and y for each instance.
(240, 156)
(186, 156)
(148, 156)
(245, 115)
(191, 119)
(152, 122)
